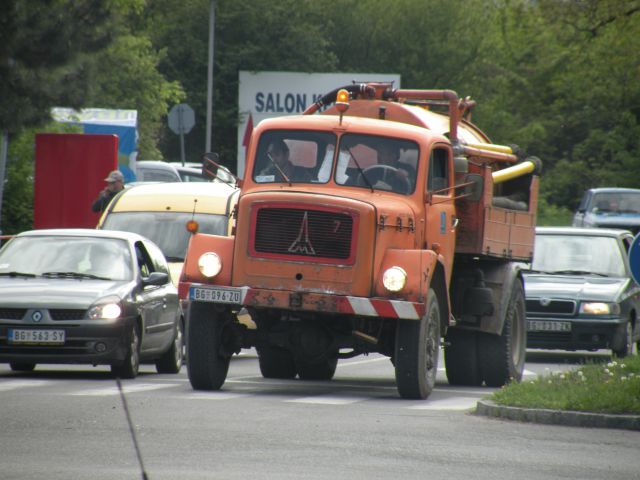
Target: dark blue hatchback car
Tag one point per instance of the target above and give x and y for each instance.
(609, 208)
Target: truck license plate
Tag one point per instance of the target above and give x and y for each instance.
(548, 326)
(46, 337)
(216, 294)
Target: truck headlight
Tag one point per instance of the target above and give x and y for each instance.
(106, 309)
(209, 264)
(394, 279)
(599, 308)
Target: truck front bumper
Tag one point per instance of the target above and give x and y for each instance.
(307, 301)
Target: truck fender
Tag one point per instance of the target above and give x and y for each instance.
(501, 279)
(201, 243)
(424, 270)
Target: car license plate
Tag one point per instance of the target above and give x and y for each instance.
(548, 326)
(216, 294)
(47, 337)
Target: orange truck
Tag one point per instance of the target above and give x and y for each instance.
(380, 220)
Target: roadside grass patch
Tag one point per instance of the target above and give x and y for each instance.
(612, 387)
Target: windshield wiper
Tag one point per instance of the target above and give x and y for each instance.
(17, 274)
(360, 170)
(275, 164)
(73, 275)
(175, 259)
(578, 272)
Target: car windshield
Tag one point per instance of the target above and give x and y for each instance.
(68, 257)
(573, 253)
(616, 202)
(166, 229)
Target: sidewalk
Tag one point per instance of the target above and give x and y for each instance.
(558, 417)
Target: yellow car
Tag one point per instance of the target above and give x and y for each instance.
(160, 212)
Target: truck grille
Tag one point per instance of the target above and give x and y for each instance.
(300, 232)
(556, 307)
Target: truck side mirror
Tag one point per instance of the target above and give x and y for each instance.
(212, 170)
(473, 187)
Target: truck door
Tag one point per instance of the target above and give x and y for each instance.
(440, 212)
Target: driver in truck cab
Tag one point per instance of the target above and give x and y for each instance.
(279, 167)
(403, 173)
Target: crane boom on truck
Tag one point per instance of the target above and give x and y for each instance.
(380, 220)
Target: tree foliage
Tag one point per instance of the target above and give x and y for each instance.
(557, 78)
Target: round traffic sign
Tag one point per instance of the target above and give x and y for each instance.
(181, 118)
(634, 259)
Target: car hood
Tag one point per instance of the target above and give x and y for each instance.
(576, 287)
(614, 219)
(57, 292)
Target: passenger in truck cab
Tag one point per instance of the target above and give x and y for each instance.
(402, 176)
(279, 167)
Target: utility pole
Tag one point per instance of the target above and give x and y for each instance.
(4, 147)
(212, 18)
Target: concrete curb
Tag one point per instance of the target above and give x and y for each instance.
(558, 417)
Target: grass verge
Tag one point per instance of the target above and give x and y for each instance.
(612, 387)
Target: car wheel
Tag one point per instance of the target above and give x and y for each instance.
(171, 360)
(22, 367)
(129, 368)
(628, 346)
(416, 352)
(502, 356)
(276, 362)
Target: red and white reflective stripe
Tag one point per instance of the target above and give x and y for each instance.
(384, 308)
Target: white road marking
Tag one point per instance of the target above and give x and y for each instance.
(456, 403)
(138, 387)
(212, 396)
(327, 400)
(7, 385)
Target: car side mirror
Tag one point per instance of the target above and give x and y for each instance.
(156, 279)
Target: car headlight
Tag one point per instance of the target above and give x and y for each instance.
(106, 309)
(599, 308)
(394, 279)
(209, 264)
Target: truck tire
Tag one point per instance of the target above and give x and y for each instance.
(502, 356)
(461, 358)
(171, 360)
(416, 352)
(207, 367)
(324, 370)
(276, 362)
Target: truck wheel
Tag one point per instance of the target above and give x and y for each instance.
(416, 352)
(460, 358)
(324, 370)
(129, 368)
(502, 356)
(276, 362)
(171, 360)
(206, 365)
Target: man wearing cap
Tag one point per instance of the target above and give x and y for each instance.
(115, 183)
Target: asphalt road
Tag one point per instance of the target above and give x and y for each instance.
(68, 422)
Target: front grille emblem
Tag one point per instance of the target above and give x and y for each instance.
(545, 302)
(36, 316)
(302, 244)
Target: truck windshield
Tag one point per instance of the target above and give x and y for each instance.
(293, 156)
(376, 162)
(367, 161)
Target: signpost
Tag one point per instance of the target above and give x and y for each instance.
(181, 120)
